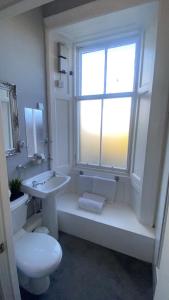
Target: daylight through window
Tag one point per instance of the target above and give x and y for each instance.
(104, 104)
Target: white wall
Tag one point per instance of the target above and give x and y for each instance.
(162, 75)
(22, 62)
(163, 206)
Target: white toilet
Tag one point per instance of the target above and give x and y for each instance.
(37, 254)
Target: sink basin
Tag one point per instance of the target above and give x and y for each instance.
(45, 184)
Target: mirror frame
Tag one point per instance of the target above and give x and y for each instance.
(11, 88)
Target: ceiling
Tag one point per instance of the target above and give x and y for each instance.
(6, 3)
(12, 8)
(58, 6)
(138, 17)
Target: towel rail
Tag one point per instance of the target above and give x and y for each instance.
(115, 179)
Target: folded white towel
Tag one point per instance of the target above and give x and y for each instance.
(91, 205)
(94, 197)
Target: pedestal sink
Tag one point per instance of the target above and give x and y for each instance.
(45, 186)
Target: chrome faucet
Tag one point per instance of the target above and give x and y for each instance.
(35, 183)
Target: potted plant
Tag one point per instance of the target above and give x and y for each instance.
(15, 188)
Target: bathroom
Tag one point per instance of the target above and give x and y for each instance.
(84, 161)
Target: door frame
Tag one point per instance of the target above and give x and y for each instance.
(9, 286)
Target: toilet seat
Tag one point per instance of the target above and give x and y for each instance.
(37, 254)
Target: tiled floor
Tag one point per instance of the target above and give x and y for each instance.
(92, 272)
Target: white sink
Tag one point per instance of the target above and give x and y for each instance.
(45, 184)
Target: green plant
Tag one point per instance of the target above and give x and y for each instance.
(15, 185)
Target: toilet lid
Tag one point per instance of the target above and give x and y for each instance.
(37, 254)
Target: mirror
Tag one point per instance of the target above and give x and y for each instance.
(9, 110)
(34, 133)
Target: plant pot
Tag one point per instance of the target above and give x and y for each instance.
(15, 195)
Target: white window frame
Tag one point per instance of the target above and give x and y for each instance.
(111, 42)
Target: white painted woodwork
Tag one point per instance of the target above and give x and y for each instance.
(8, 273)
(116, 228)
(144, 19)
(59, 108)
(144, 103)
(162, 206)
(61, 141)
(161, 292)
(157, 120)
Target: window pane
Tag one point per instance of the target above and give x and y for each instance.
(93, 72)
(120, 69)
(115, 132)
(89, 131)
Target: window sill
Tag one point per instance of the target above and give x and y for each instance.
(105, 173)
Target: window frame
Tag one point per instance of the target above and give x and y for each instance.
(95, 46)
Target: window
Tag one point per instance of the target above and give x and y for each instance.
(104, 104)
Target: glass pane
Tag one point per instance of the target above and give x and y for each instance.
(30, 136)
(6, 118)
(89, 131)
(115, 132)
(120, 69)
(7, 125)
(93, 72)
(38, 119)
